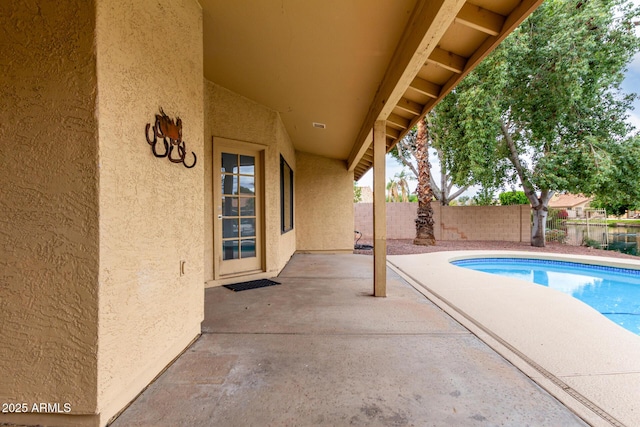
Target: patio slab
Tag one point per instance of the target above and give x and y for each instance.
(319, 350)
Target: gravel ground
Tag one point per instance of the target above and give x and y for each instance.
(403, 247)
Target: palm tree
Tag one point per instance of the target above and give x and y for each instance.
(398, 187)
(424, 221)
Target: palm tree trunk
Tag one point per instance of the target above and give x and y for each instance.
(424, 221)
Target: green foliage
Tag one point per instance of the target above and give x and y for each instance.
(546, 109)
(618, 188)
(630, 248)
(485, 197)
(357, 193)
(463, 201)
(556, 235)
(513, 198)
(406, 153)
(613, 207)
(591, 243)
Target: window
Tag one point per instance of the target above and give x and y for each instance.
(286, 196)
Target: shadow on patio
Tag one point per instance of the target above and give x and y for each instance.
(319, 350)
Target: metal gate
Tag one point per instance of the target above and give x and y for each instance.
(590, 227)
(597, 227)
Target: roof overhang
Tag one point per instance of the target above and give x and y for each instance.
(346, 64)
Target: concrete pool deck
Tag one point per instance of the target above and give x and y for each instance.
(320, 350)
(589, 363)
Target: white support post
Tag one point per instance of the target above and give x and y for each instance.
(379, 210)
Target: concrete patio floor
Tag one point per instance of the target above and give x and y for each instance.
(320, 350)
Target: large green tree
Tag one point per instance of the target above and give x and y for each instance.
(545, 109)
(620, 190)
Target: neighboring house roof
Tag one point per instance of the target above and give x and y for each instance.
(332, 69)
(569, 201)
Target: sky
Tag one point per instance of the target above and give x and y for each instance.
(631, 84)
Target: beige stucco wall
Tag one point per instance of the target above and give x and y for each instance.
(323, 204)
(48, 205)
(149, 55)
(504, 223)
(92, 303)
(233, 117)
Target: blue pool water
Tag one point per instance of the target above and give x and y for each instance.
(614, 292)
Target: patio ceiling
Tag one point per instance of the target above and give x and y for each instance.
(346, 64)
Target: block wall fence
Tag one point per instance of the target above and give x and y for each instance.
(500, 223)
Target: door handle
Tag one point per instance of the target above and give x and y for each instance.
(219, 216)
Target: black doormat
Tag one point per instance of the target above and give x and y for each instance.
(253, 284)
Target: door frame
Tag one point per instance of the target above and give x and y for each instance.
(239, 147)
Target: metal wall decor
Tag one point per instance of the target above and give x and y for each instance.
(170, 133)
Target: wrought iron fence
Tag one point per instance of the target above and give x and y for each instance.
(588, 226)
(556, 229)
(597, 232)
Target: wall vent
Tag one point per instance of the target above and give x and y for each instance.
(319, 125)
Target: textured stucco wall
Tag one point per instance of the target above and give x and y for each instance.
(323, 204)
(48, 204)
(149, 55)
(233, 117)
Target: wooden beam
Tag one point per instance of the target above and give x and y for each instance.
(393, 133)
(425, 87)
(429, 21)
(481, 19)
(359, 172)
(410, 106)
(361, 150)
(398, 121)
(379, 211)
(364, 167)
(448, 60)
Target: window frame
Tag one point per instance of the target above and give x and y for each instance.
(284, 167)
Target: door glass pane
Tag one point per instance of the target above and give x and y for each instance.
(229, 184)
(247, 185)
(230, 249)
(248, 249)
(248, 227)
(247, 165)
(229, 206)
(229, 228)
(247, 206)
(229, 163)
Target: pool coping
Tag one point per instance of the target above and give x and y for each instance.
(589, 363)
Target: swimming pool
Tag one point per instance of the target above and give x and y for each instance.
(613, 291)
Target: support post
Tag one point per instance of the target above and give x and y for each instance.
(379, 210)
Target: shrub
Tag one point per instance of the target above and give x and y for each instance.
(555, 235)
(513, 198)
(591, 243)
